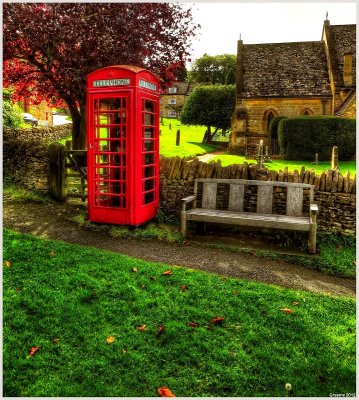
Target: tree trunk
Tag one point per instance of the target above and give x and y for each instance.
(78, 125)
(206, 135)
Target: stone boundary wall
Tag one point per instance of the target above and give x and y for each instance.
(44, 134)
(26, 154)
(26, 161)
(335, 193)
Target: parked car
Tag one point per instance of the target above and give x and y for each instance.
(54, 112)
(29, 119)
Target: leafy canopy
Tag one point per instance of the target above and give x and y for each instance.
(211, 105)
(220, 69)
(50, 48)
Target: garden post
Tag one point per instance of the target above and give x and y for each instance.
(57, 172)
(178, 137)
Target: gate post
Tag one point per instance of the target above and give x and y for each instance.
(57, 171)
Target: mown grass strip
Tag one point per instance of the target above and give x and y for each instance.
(69, 299)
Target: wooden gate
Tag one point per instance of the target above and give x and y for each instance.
(76, 174)
(67, 172)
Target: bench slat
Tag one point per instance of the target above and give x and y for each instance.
(236, 198)
(265, 199)
(294, 201)
(249, 219)
(209, 195)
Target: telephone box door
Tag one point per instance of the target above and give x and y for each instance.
(108, 168)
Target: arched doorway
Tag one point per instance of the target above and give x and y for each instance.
(272, 136)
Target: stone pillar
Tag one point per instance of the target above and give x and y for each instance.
(335, 157)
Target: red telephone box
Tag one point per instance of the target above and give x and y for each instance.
(122, 145)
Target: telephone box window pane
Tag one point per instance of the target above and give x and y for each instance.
(149, 185)
(149, 133)
(148, 145)
(111, 118)
(148, 119)
(110, 104)
(149, 106)
(149, 159)
(149, 172)
(149, 197)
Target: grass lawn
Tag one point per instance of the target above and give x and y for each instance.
(69, 299)
(190, 143)
(276, 165)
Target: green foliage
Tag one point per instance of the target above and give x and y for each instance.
(210, 106)
(160, 231)
(303, 137)
(220, 69)
(12, 117)
(273, 127)
(80, 296)
(15, 192)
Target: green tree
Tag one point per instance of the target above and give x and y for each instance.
(11, 113)
(211, 106)
(220, 69)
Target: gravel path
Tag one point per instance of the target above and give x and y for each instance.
(53, 221)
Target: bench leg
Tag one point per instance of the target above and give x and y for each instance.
(183, 224)
(312, 238)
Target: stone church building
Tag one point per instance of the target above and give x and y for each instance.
(292, 79)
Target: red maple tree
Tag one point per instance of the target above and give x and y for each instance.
(50, 48)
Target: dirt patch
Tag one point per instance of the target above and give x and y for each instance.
(53, 221)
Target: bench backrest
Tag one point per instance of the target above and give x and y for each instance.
(294, 206)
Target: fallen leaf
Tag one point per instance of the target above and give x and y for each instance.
(134, 269)
(18, 289)
(254, 254)
(161, 328)
(354, 262)
(56, 341)
(338, 247)
(193, 324)
(287, 310)
(94, 294)
(153, 278)
(141, 328)
(7, 264)
(165, 392)
(110, 339)
(235, 292)
(52, 253)
(183, 288)
(166, 273)
(295, 303)
(124, 351)
(217, 320)
(33, 350)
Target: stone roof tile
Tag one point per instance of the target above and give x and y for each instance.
(285, 70)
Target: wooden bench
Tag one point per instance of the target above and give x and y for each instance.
(263, 217)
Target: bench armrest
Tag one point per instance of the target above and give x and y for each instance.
(313, 208)
(186, 200)
(313, 211)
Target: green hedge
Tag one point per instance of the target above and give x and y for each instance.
(301, 138)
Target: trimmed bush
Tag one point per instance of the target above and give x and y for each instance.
(301, 138)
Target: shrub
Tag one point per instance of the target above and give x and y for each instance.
(12, 117)
(301, 138)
